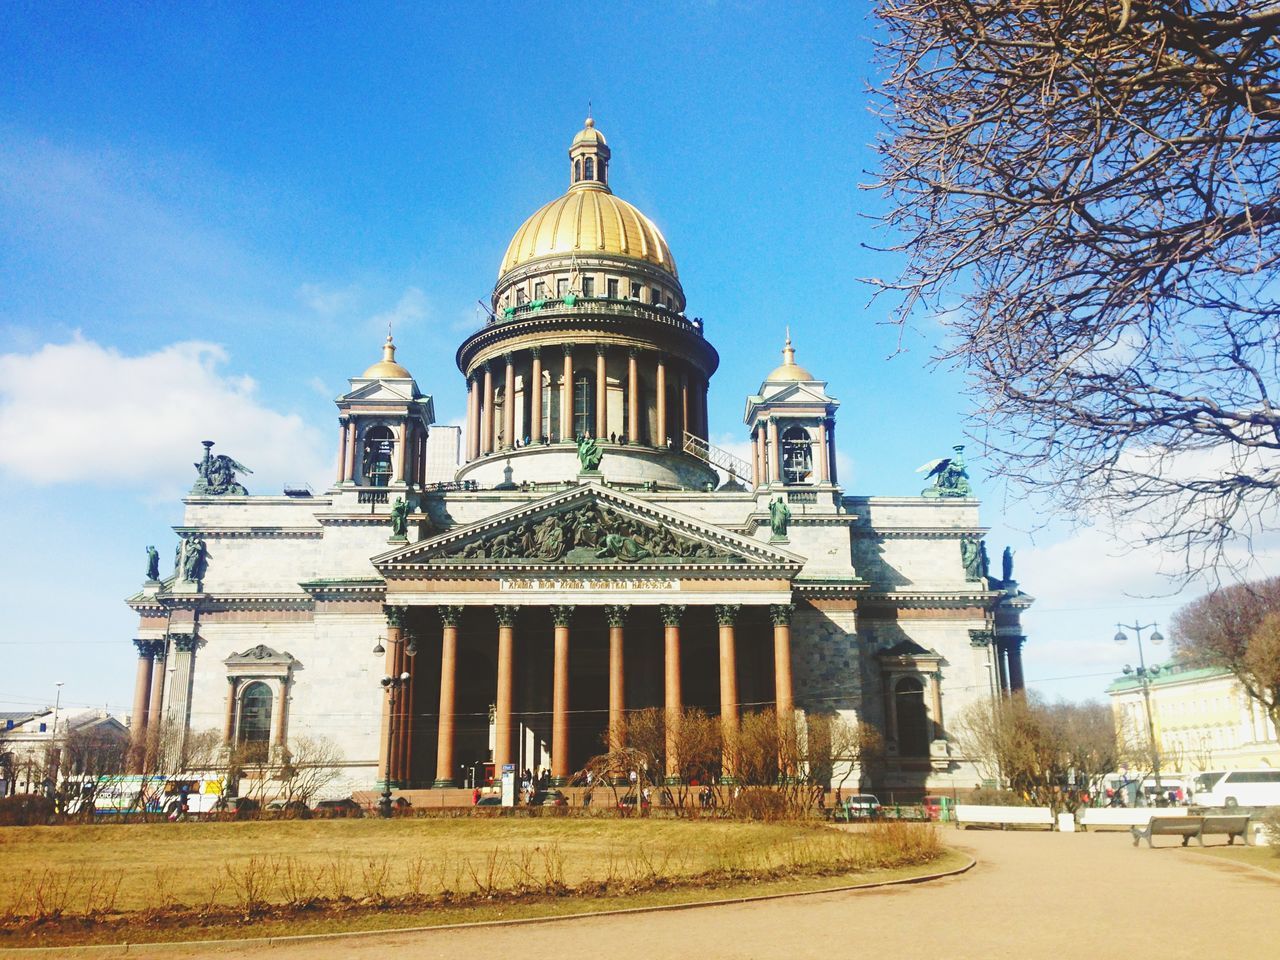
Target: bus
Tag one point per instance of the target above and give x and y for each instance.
(156, 794)
(1238, 788)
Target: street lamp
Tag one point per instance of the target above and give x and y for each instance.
(1144, 674)
(54, 756)
(392, 685)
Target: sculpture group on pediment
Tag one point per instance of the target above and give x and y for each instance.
(599, 534)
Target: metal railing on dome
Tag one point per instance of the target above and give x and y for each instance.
(576, 305)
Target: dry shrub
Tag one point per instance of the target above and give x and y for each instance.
(1271, 827)
(251, 881)
(901, 844)
(761, 803)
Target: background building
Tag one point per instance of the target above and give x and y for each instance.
(593, 553)
(1202, 717)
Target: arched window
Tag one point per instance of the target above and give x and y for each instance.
(255, 714)
(589, 168)
(797, 456)
(577, 170)
(584, 405)
(603, 168)
(913, 720)
(379, 443)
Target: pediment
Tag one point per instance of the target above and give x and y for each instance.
(590, 527)
(397, 391)
(909, 650)
(798, 393)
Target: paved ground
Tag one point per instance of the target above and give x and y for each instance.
(1032, 895)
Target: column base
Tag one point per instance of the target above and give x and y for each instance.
(672, 781)
(559, 781)
(444, 784)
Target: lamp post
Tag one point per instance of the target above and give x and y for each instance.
(54, 756)
(1144, 675)
(392, 686)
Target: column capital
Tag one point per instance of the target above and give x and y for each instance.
(486, 366)
(148, 648)
(562, 614)
(616, 614)
(633, 352)
(506, 615)
(671, 613)
(184, 642)
(397, 614)
(981, 638)
(568, 350)
(727, 613)
(535, 352)
(600, 349)
(450, 615)
(780, 613)
(509, 357)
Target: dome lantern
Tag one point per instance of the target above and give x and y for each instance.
(589, 159)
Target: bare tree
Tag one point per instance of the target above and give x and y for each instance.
(313, 763)
(1054, 755)
(1237, 628)
(1085, 192)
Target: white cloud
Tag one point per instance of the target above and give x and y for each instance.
(409, 309)
(328, 301)
(83, 413)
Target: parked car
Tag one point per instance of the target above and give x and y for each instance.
(290, 808)
(344, 807)
(549, 798)
(489, 800)
(863, 805)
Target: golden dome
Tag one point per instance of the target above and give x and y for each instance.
(588, 221)
(387, 368)
(790, 370)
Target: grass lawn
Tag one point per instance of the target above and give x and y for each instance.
(1268, 858)
(118, 869)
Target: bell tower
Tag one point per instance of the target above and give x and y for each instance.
(792, 426)
(383, 424)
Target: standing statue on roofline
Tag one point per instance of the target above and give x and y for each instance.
(1006, 565)
(950, 479)
(779, 517)
(589, 454)
(399, 518)
(153, 564)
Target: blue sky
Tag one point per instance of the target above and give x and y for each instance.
(208, 216)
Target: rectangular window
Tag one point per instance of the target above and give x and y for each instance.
(612, 288)
(521, 296)
(655, 295)
(562, 287)
(539, 291)
(635, 290)
(588, 286)
(583, 406)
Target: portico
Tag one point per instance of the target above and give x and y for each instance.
(628, 607)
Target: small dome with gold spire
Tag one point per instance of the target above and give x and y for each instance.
(387, 368)
(790, 370)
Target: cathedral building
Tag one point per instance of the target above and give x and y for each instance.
(592, 554)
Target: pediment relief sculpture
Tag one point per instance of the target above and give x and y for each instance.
(589, 534)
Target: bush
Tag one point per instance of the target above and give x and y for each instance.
(1271, 827)
(760, 803)
(997, 798)
(26, 810)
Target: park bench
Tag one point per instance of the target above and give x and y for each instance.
(1230, 826)
(973, 814)
(1199, 827)
(1125, 817)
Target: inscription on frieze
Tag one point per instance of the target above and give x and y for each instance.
(559, 584)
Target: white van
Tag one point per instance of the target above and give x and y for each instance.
(1238, 788)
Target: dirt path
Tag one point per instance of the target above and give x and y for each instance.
(1032, 895)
